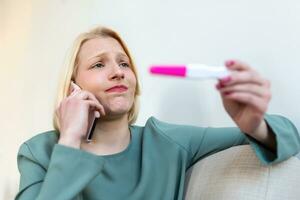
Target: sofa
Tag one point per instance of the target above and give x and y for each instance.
(237, 174)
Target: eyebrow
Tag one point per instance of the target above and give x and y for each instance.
(120, 54)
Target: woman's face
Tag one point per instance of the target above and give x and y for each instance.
(104, 69)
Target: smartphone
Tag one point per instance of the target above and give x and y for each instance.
(92, 126)
(91, 130)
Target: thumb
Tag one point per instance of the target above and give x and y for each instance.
(97, 114)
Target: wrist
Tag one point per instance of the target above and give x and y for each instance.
(261, 131)
(70, 142)
(265, 136)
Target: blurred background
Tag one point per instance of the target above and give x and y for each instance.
(35, 36)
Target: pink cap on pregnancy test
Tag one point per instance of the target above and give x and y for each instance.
(198, 71)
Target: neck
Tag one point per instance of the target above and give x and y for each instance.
(111, 132)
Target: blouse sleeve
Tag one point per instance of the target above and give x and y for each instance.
(68, 173)
(216, 139)
(200, 142)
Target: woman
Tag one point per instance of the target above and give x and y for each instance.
(125, 161)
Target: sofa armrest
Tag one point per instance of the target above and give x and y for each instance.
(236, 173)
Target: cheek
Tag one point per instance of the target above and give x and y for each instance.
(91, 79)
(97, 88)
(98, 82)
(132, 80)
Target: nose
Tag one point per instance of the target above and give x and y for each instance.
(116, 72)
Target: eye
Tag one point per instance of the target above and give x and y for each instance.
(98, 65)
(124, 64)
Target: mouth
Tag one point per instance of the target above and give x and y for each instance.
(117, 88)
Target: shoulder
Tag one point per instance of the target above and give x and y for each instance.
(178, 133)
(172, 129)
(39, 147)
(48, 138)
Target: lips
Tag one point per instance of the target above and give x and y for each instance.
(117, 88)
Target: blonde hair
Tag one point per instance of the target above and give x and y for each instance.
(71, 67)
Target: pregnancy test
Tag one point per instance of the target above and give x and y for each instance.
(198, 71)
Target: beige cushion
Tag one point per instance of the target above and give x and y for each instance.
(236, 173)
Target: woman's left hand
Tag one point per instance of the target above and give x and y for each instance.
(245, 96)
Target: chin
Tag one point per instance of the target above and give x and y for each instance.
(115, 114)
(118, 106)
(119, 109)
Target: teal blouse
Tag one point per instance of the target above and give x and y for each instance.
(152, 166)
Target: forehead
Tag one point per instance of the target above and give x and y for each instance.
(97, 46)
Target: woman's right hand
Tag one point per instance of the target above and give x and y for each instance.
(75, 114)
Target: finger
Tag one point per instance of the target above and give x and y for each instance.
(258, 103)
(243, 77)
(71, 90)
(247, 88)
(75, 86)
(237, 65)
(96, 106)
(85, 95)
(100, 108)
(74, 93)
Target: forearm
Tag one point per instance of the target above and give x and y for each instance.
(69, 171)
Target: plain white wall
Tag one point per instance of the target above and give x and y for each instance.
(35, 36)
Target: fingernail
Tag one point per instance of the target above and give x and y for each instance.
(220, 85)
(227, 93)
(71, 90)
(72, 86)
(229, 63)
(225, 80)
